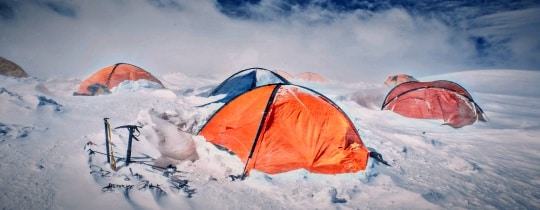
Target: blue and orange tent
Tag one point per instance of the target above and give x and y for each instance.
(276, 128)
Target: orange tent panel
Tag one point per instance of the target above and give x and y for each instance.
(235, 125)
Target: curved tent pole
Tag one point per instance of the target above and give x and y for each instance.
(468, 96)
(314, 91)
(386, 97)
(110, 74)
(259, 130)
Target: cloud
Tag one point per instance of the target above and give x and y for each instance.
(6, 11)
(510, 39)
(198, 38)
(166, 4)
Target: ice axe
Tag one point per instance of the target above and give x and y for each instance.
(132, 129)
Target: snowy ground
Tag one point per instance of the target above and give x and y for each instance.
(44, 162)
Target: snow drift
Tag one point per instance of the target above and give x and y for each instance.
(45, 162)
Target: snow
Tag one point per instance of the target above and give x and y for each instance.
(130, 86)
(45, 162)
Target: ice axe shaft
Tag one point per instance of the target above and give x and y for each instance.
(106, 122)
(108, 144)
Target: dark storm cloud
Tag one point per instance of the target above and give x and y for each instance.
(61, 7)
(6, 11)
(448, 11)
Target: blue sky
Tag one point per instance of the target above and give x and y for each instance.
(343, 40)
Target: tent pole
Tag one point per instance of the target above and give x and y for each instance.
(259, 130)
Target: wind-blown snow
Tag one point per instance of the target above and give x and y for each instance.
(45, 162)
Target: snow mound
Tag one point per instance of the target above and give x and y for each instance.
(174, 145)
(132, 86)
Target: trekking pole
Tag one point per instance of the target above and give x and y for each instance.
(131, 129)
(108, 142)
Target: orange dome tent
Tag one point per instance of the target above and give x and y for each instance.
(397, 79)
(281, 127)
(109, 77)
(310, 76)
(434, 100)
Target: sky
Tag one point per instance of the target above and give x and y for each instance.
(353, 41)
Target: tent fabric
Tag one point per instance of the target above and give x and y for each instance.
(311, 76)
(246, 80)
(287, 127)
(434, 100)
(397, 79)
(104, 80)
(11, 69)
